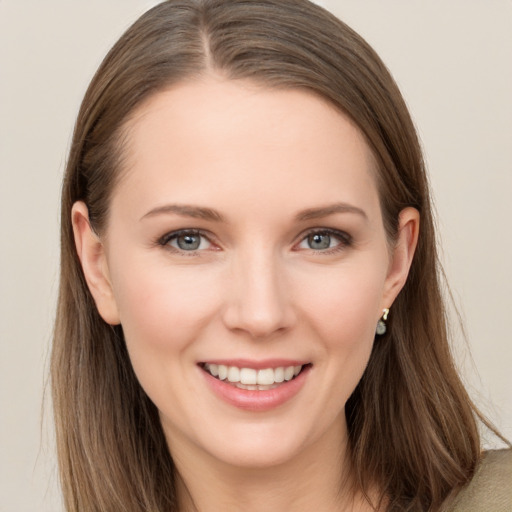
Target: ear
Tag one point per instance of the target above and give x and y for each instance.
(402, 255)
(91, 253)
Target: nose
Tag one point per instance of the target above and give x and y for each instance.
(258, 301)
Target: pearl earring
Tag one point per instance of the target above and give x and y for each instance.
(381, 324)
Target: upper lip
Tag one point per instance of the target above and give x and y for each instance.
(260, 364)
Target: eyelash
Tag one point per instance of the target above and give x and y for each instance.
(165, 240)
(344, 239)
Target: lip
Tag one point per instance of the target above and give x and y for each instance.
(256, 401)
(256, 365)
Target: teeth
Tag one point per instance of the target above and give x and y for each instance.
(288, 372)
(249, 378)
(247, 386)
(266, 377)
(233, 374)
(255, 387)
(279, 374)
(223, 371)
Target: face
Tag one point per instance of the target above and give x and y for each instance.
(246, 259)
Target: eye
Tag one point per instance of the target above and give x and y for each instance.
(323, 240)
(186, 240)
(319, 241)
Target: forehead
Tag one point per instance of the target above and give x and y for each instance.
(239, 139)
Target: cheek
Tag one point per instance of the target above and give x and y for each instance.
(163, 311)
(342, 311)
(162, 307)
(344, 305)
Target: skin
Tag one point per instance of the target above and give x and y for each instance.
(255, 289)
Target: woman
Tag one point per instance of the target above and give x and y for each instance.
(250, 313)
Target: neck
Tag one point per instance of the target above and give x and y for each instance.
(318, 478)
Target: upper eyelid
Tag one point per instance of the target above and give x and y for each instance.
(330, 231)
(178, 232)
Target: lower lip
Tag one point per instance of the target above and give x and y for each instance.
(257, 401)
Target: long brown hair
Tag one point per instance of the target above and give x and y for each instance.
(411, 424)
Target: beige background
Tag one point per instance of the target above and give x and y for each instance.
(453, 62)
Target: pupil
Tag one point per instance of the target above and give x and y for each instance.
(319, 241)
(189, 242)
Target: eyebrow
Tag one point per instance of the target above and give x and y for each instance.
(324, 211)
(184, 210)
(198, 212)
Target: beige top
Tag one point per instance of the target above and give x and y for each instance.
(490, 490)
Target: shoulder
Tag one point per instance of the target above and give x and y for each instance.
(491, 487)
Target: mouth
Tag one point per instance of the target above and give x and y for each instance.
(253, 379)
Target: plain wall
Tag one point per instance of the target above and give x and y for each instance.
(453, 63)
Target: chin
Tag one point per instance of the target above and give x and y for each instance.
(269, 444)
(259, 454)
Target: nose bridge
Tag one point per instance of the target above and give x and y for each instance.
(258, 302)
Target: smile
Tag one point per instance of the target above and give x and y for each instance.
(253, 379)
(255, 386)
